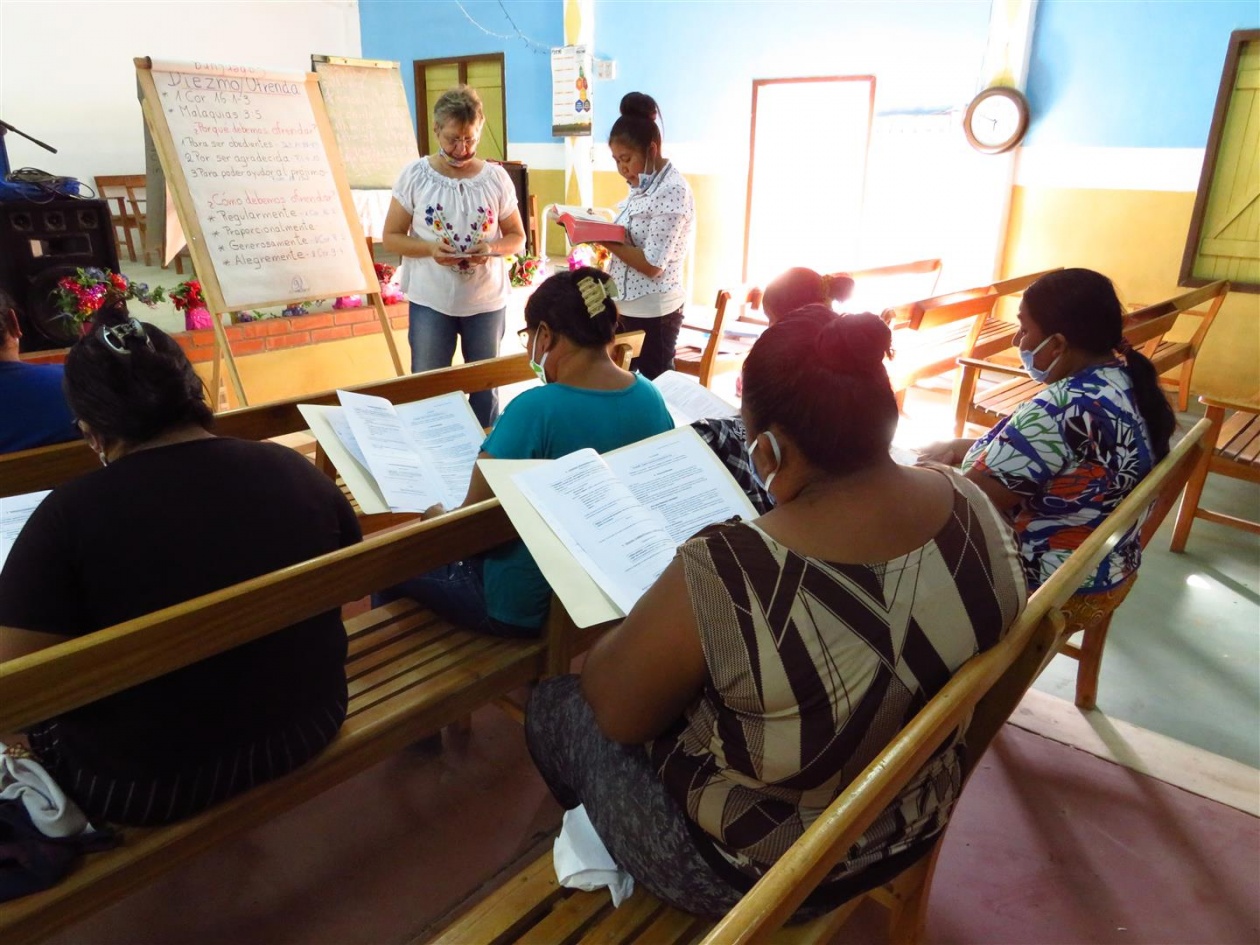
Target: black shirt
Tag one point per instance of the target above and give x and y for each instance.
(161, 526)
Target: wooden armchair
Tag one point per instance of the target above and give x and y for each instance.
(116, 190)
(1144, 329)
(723, 349)
(1233, 449)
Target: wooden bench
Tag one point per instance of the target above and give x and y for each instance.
(1233, 450)
(50, 466)
(1144, 329)
(531, 907)
(409, 674)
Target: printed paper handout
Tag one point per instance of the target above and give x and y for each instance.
(688, 400)
(603, 528)
(402, 458)
(14, 511)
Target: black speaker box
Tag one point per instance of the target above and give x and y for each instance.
(519, 173)
(40, 243)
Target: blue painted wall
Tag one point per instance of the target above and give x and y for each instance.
(406, 30)
(1140, 73)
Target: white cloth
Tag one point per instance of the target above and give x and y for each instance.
(52, 813)
(583, 862)
(459, 214)
(659, 220)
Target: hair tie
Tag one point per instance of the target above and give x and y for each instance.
(595, 293)
(115, 336)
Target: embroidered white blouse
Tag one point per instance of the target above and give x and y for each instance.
(659, 220)
(460, 214)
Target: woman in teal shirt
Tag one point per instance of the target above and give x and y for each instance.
(585, 402)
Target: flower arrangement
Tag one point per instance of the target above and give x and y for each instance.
(523, 270)
(80, 296)
(187, 297)
(589, 254)
(390, 292)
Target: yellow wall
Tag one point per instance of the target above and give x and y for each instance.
(1136, 237)
(292, 372)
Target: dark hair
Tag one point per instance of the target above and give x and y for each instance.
(638, 125)
(130, 381)
(7, 304)
(1082, 306)
(820, 377)
(559, 304)
(799, 287)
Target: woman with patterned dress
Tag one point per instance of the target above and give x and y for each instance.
(452, 215)
(774, 659)
(1066, 458)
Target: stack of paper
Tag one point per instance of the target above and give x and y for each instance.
(14, 511)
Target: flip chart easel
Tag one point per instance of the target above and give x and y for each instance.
(260, 191)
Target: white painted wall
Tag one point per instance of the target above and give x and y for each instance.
(67, 76)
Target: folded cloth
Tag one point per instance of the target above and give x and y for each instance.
(583, 862)
(24, 779)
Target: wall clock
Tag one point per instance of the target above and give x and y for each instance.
(996, 120)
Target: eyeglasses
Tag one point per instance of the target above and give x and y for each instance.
(450, 141)
(523, 336)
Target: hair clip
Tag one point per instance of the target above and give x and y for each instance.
(115, 336)
(595, 292)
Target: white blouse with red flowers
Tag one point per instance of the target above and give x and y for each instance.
(459, 214)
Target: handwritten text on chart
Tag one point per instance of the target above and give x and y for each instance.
(261, 185)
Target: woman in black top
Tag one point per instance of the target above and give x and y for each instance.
(176, 513)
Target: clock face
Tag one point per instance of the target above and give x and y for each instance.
(996, 120)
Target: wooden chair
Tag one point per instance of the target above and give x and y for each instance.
(976, 702)
(875, 288)
(1233, 450)
(116, 190)
(722, 350)
(1144, 329)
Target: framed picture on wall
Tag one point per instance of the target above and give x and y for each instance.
(1224, 237)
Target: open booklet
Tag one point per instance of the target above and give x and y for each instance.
(603, 528)
(688, 400)
(401, 458)
(14, 511)
(587, 224)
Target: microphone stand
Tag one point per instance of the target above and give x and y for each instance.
(5, 127)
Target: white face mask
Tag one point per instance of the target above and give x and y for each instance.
(647, 176)
(752, 462)
(538, 367)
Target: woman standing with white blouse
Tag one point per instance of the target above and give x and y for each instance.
(451, 216)
(659, 215)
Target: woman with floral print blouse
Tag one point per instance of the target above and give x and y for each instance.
(451, 217)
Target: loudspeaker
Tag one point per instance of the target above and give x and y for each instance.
(43, 241)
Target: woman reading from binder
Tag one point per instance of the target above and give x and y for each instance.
(658, 214)
(176, 513)
(451, 217)
(585, 401)
(773, 659)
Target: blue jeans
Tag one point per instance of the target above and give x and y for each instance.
(432, 335)
(455, 592)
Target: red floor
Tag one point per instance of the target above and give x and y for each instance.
(1050, 844)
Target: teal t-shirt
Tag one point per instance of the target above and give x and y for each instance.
(546, 423)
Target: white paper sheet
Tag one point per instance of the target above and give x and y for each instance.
(14, 511)
(405, 479)
(688, 401)
(582, 519)
(330, 428)
(447, 433)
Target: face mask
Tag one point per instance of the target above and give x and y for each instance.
(646, 178)
(1027, 357)
(538, 367)
(455, 162)
(752, 462)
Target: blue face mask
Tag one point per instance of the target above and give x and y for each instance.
(1036, 373)
(752, 463)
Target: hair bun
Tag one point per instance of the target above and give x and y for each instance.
(639, 105)
(851, 343)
